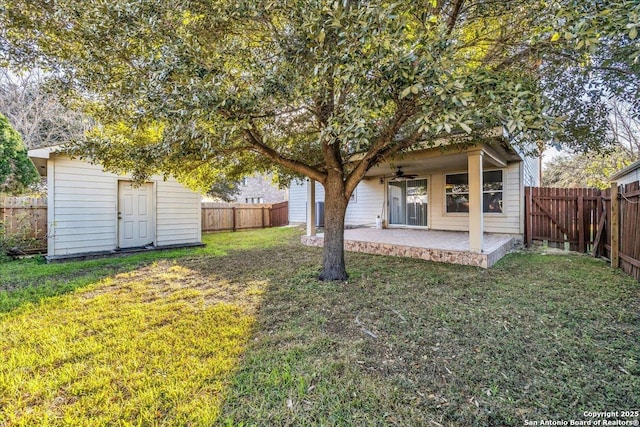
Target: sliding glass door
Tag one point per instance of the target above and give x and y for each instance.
(408, 202)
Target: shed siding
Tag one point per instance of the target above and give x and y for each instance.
(85, 205)
(630, 177)
(177, 214)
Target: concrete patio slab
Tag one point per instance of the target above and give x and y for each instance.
(431, 245)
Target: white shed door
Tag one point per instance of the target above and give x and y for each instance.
(135, 215)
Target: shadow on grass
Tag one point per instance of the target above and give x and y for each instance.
(155, 344)
(29, 281)
(407, 342)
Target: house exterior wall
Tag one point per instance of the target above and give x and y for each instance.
(260, 189)
(508, 222)
(83, 209)
(366, 203)
(298, 200)
(531, 165)
(370, 201)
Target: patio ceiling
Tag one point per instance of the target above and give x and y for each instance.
(437, 160)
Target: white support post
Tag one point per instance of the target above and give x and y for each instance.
(476, 222)
(311, 207)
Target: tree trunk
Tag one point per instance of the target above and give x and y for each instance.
(335, 208)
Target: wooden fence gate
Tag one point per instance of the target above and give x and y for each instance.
(562, 217)
(623, 228)
(604, 223)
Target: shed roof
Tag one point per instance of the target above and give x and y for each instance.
(39, 157)
(625, 171)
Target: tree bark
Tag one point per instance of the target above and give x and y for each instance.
(335, 208)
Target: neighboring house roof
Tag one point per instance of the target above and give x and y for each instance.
(632, 167)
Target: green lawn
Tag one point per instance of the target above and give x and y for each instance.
(241, 333)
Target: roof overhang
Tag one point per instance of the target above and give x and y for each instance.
(39, 157)
(632, 167)
(450, 158)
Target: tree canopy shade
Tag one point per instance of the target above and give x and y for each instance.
(322, 89)
(17, 172)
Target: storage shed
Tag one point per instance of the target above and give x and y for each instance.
(627, 175)
(92, 212)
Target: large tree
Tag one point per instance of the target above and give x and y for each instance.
(17, 172)
(322, 89)
(625, 128)
(594, 169)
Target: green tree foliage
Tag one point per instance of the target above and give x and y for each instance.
(584, 170)
(224, 190)
(323, 89)
(17, 172)
(596, 58)
(594, 169)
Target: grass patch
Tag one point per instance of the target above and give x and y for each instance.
(153, 346)
(241, 333)
(407, 342)
(31, 280)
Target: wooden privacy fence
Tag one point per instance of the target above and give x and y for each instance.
(222, 216)
(23, 222)
(621, 228)
(24, 219)
(604, 223)
(562, 216)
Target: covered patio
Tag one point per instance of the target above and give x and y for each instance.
(431, 245)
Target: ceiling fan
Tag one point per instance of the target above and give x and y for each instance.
(399, 175)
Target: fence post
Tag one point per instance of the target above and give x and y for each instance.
(233, 215)
(262, 216)
(615, 226)
(581, 230)
(527, 216)
(599, 209)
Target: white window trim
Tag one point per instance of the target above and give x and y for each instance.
(464, 214)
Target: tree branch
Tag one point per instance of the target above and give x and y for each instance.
(383, 143)
(275, 113)
(453, 17)
(255, 141)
